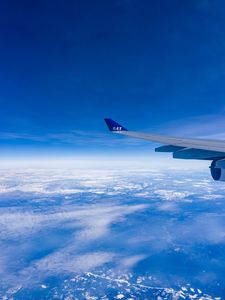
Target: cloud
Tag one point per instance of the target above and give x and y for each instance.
(168, 207)
(110, 218)
(94, 219)
(171, 195)
(74, 137)
(204, 126)
(84, 225)
(131, 261)
(67, 262)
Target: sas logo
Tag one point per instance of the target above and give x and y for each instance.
(117, 128)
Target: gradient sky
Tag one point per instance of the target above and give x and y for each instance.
(151, 65)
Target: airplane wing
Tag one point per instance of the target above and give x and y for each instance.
(184, 148)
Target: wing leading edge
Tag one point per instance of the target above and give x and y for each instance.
(183, 148)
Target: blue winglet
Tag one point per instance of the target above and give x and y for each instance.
(114, 126)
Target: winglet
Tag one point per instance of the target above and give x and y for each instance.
(114, 126)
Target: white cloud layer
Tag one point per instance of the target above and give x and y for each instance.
(76, 221)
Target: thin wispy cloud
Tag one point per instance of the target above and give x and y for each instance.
(17, 224)
(205, 126)
(75, 138)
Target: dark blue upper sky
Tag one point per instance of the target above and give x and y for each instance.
(65, 65)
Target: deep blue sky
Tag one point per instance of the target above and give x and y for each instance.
(65, 65)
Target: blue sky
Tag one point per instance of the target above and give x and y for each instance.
(151, 65)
